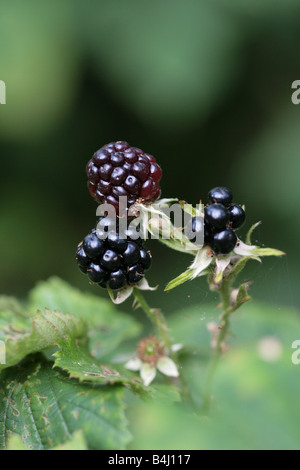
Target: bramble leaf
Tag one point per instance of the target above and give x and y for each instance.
(108, 325)
(45, 408)
(76, 360)
(47, 328)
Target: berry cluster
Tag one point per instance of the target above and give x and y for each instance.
(221, 218)
(113, 261)
(120, 170)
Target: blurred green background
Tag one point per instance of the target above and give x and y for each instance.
(203, 86)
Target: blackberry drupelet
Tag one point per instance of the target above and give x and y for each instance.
(223, 241)
(216, 215)
(120, 170)
(220, 194)
(236, 216)
(221, 218)
(114, 261)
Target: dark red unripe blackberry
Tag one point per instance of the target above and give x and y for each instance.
(93, 174)
(132, 184)
(120, 170)
(223, 241)
(101, 156)
(149, 190)
(117, 159)
(236, 216)
(216, 215)
(118, 176)
(221, 195)
(141, 170)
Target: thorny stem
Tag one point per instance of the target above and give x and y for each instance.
(156, 318)
(225, 291)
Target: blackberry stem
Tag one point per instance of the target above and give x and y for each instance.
(225, 291)
(156, 318)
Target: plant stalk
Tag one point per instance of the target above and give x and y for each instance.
(225, 292)
(156, 317)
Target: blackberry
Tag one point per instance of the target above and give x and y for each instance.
(135, 273)
(145, 258)
(216, 215)
(117, 279)
(132, 254)
(223, 241)
(207, 234)
(221, 218)
(236, 216)
(110, 260)
(195, 230)
(116, 243)
(113, 261)
(120, 170)
(96, 273)
(81, 256)
(92, 246)
(221, 195)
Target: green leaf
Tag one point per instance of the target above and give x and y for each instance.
(181, 279)
(222, 263)
(251, 230)
(108, 325)
(179, 245)
(189, 209)
(75, 359)
(13, 320)
(241, 295)
(199, 267)
(77, 442)
(12, 306)
(47, 328)
(45, 408)
(267, 252)
(165, 393)
(15, 443)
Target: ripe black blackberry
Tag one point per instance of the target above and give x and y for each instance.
(114, 261)
(221, 195)
(120, 170)
(221, 218)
